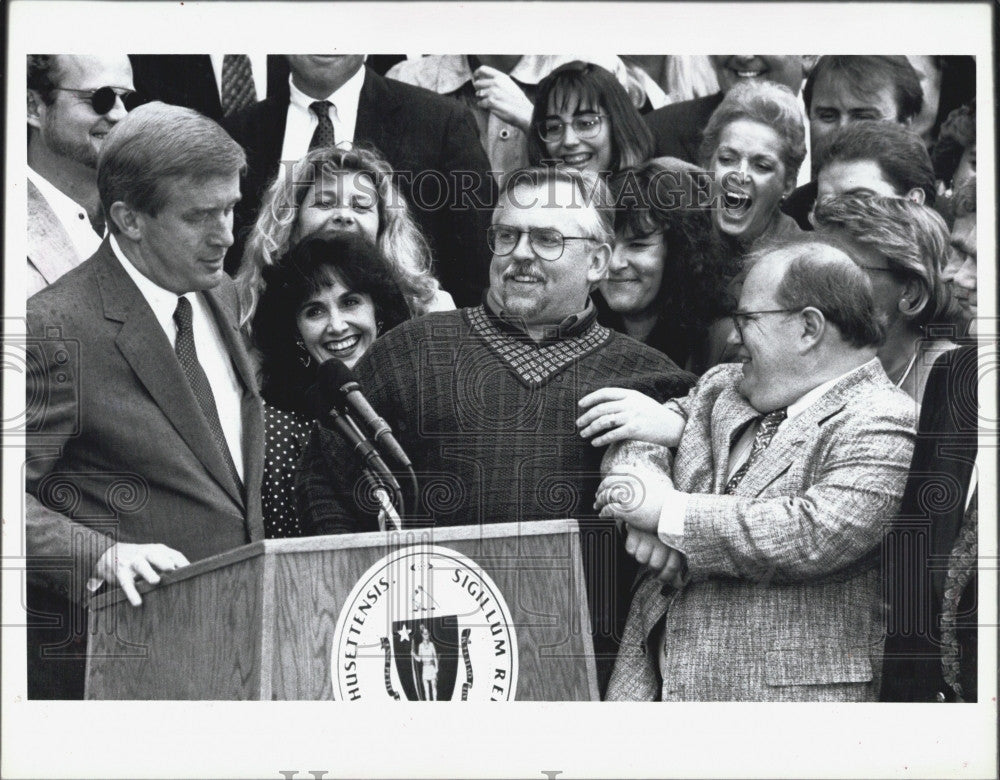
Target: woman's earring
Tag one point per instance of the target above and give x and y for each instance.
(305, 358)
(379, 327)
(904, 305)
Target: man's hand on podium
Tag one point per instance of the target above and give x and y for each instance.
(122, 562)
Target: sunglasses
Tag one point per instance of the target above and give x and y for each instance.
(103, 100)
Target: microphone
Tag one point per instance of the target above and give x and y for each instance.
(370, 458)
(347, 428)
(338, 381)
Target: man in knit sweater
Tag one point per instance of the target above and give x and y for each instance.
(484, 400)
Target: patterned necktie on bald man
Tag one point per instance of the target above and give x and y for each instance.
(768, 426)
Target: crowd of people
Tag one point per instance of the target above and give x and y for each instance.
(715, 330)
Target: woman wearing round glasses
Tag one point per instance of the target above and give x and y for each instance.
(335, 191)
(666, 280)
(583, 118)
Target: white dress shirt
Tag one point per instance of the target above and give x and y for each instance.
(70, 214)
(301, 123)
(670, 528)
(258, 66)
(212, 353)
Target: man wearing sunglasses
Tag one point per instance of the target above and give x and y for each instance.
(73, 101)
(484, 399)
(762, 537)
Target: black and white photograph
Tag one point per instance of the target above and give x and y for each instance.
(564, 386)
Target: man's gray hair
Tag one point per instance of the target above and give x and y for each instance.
(593, 194)
(157, 142)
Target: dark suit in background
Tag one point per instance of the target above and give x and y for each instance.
(118, 450)
(188, 80)
(917, 549)
(677, 128)
(417, 131)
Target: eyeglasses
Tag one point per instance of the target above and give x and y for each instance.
(740, 318)
(584, 125)
(547, 243)
(103, 100)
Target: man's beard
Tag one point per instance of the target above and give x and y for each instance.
(81, 152)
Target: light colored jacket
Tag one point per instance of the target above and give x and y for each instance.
(784, 598)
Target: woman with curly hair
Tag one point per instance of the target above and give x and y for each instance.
(337, 190)
(666, 281)
(329, 297)
(583, 118)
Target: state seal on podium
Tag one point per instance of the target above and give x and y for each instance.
(425, 623)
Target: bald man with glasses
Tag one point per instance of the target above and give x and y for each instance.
(761, 530)
(73, 102)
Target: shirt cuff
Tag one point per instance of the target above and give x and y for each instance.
(670, 528)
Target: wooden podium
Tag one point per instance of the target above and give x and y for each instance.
(261, 621)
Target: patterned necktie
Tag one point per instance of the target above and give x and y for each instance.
(961, 566)
(765, 432)
(324, 135)
(188, 357)
(238, 90)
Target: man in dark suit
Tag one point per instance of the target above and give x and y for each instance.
(842, 90)
(145, 429)
(429, 140)
(198, 80)
(677, 128)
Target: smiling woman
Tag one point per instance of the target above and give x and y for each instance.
(666, 280)
(329, 297)
(583, 119)
(754, 145)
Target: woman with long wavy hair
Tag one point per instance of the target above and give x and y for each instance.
(334, 190)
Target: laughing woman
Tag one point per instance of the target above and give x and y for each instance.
(328, 298)
(753, 145)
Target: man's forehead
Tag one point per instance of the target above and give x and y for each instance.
(835, 88)
(84, 71)
(548, 204)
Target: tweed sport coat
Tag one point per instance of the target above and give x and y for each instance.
(50, 250)
(783, 599)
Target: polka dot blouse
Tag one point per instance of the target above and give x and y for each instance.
(285, 437)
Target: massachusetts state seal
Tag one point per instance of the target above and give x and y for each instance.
(425, 623)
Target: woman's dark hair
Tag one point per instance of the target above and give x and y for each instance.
(592, 85)
(306, 269)
(674, 197)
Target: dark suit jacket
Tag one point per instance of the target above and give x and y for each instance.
(677, 128)
(417, 131)
(188, 80)
(918, 546)
(118, 448)
(800, 203)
